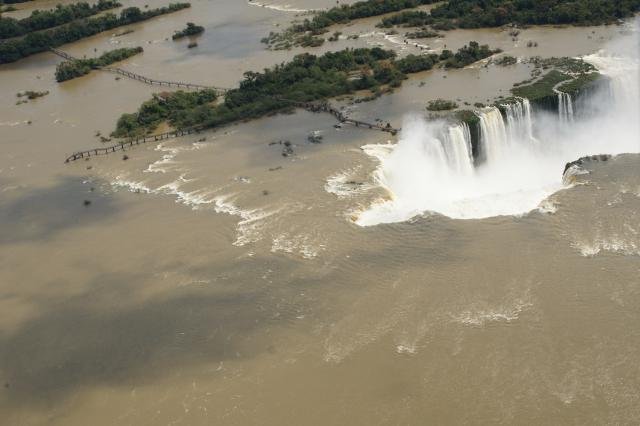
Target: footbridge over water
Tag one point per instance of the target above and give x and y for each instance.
(142, 78)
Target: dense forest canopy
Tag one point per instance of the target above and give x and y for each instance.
(494, 13)
(40, 41)
(42, 19)
(457, 14)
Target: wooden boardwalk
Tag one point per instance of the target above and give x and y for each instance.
(122, 146)
(130, 144)
(142, 78)
(310, 106)
(325, 107)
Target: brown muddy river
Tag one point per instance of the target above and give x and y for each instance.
(361, 280)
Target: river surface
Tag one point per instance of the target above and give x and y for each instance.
(212, 280)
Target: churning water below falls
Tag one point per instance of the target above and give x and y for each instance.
(520, 158)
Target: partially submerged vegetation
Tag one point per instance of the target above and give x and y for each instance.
(299, 33)
(409, 18)
(190, 30)
(306, 78)
(506, 60)
(43, 19)
(68, 70)
(441, 105)
(180, 109)
(40, 41)
(423, 33)
(466, 55)
(7, 8)
(29, 95)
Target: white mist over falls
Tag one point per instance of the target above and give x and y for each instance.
(521, 155)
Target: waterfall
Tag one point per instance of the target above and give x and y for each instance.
(519, 123)
(430, 169)
(493, 134)
(565, 107)
(458, 149)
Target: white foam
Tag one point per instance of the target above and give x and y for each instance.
(302, 244)
(130, 185)
(194, 199)
(342, 185)
(251, 221)
(168, 159)
(613, 244)
(394, 39)
(480, 317)
(280, 7)
(548, 207)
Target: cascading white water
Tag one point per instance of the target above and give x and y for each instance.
(458, 148)
(519, 122)
(493, 134)
(565, 107)
(425, 171)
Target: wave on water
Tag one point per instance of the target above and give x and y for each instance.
(249, 228)
(13, 123)
(480, 317)
(434, 168)
(163, 165)
(251, 221)
(625, 241)
(610, 244)
(131, 185)
(343, 185)
(302, 244)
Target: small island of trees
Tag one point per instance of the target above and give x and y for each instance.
(190, 30)
(68, 70)
(441, 105)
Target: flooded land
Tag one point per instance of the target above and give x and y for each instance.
(292, 269)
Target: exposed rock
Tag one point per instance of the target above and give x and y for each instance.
(580, 161)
